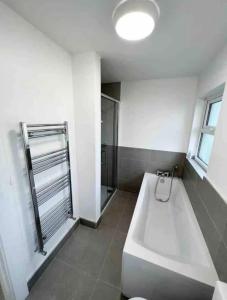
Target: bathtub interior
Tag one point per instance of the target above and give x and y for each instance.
(169, 229)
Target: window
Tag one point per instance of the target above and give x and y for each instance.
(206, 137)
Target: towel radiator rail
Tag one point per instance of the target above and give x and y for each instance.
(50, 222)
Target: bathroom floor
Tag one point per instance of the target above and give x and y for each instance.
(1, 293)
(88, 266)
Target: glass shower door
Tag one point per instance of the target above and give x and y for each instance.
(108, 149)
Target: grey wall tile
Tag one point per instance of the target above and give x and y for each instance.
(167, 156)
(225, 236)
(210, 234)
(130, 184)
(209, 231)
(194, 177)
(186, 176)
(168, 165)
(134, 162)
(221, 262)
(215, 205)
(211, 212)
(131, 168)
(193, 195)
(134, 153)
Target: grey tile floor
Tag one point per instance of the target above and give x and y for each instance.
(88, 266)
(1, 293)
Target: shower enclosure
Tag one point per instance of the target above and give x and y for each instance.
(109, 135)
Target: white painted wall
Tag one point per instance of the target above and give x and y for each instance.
(35, 86)
(6, 288)
(157, 114)
(214, 76)
(87, 99)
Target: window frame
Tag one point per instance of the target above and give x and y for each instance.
(205, 129)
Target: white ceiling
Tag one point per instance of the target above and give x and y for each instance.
(188, 35)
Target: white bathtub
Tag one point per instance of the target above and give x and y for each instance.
(165, 255)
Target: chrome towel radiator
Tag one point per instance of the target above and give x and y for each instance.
(49, 222)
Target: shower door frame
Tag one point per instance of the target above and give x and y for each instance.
(115, 139)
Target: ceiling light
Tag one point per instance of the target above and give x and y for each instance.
(135, 19)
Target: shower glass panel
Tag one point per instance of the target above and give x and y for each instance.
(109, 111)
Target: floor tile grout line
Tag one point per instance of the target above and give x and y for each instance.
(103, 263)
(88, 274)
(109, 284)
(124, 210)
(107, 251)
(110, 245)
(106, 283)
(104, 260)
(93, 290)
(111, 242)
(79, 268)
(78, 265)
(113, 235)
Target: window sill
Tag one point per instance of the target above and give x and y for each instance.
(199, 170)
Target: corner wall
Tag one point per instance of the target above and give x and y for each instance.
(87, 101)
(154, 127)
(36, 87)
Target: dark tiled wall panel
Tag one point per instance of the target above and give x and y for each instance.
(112, 89)
(134, 162)
(211, 212)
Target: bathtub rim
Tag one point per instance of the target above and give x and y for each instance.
(203, 274)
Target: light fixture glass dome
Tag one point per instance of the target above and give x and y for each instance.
(135, 19)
